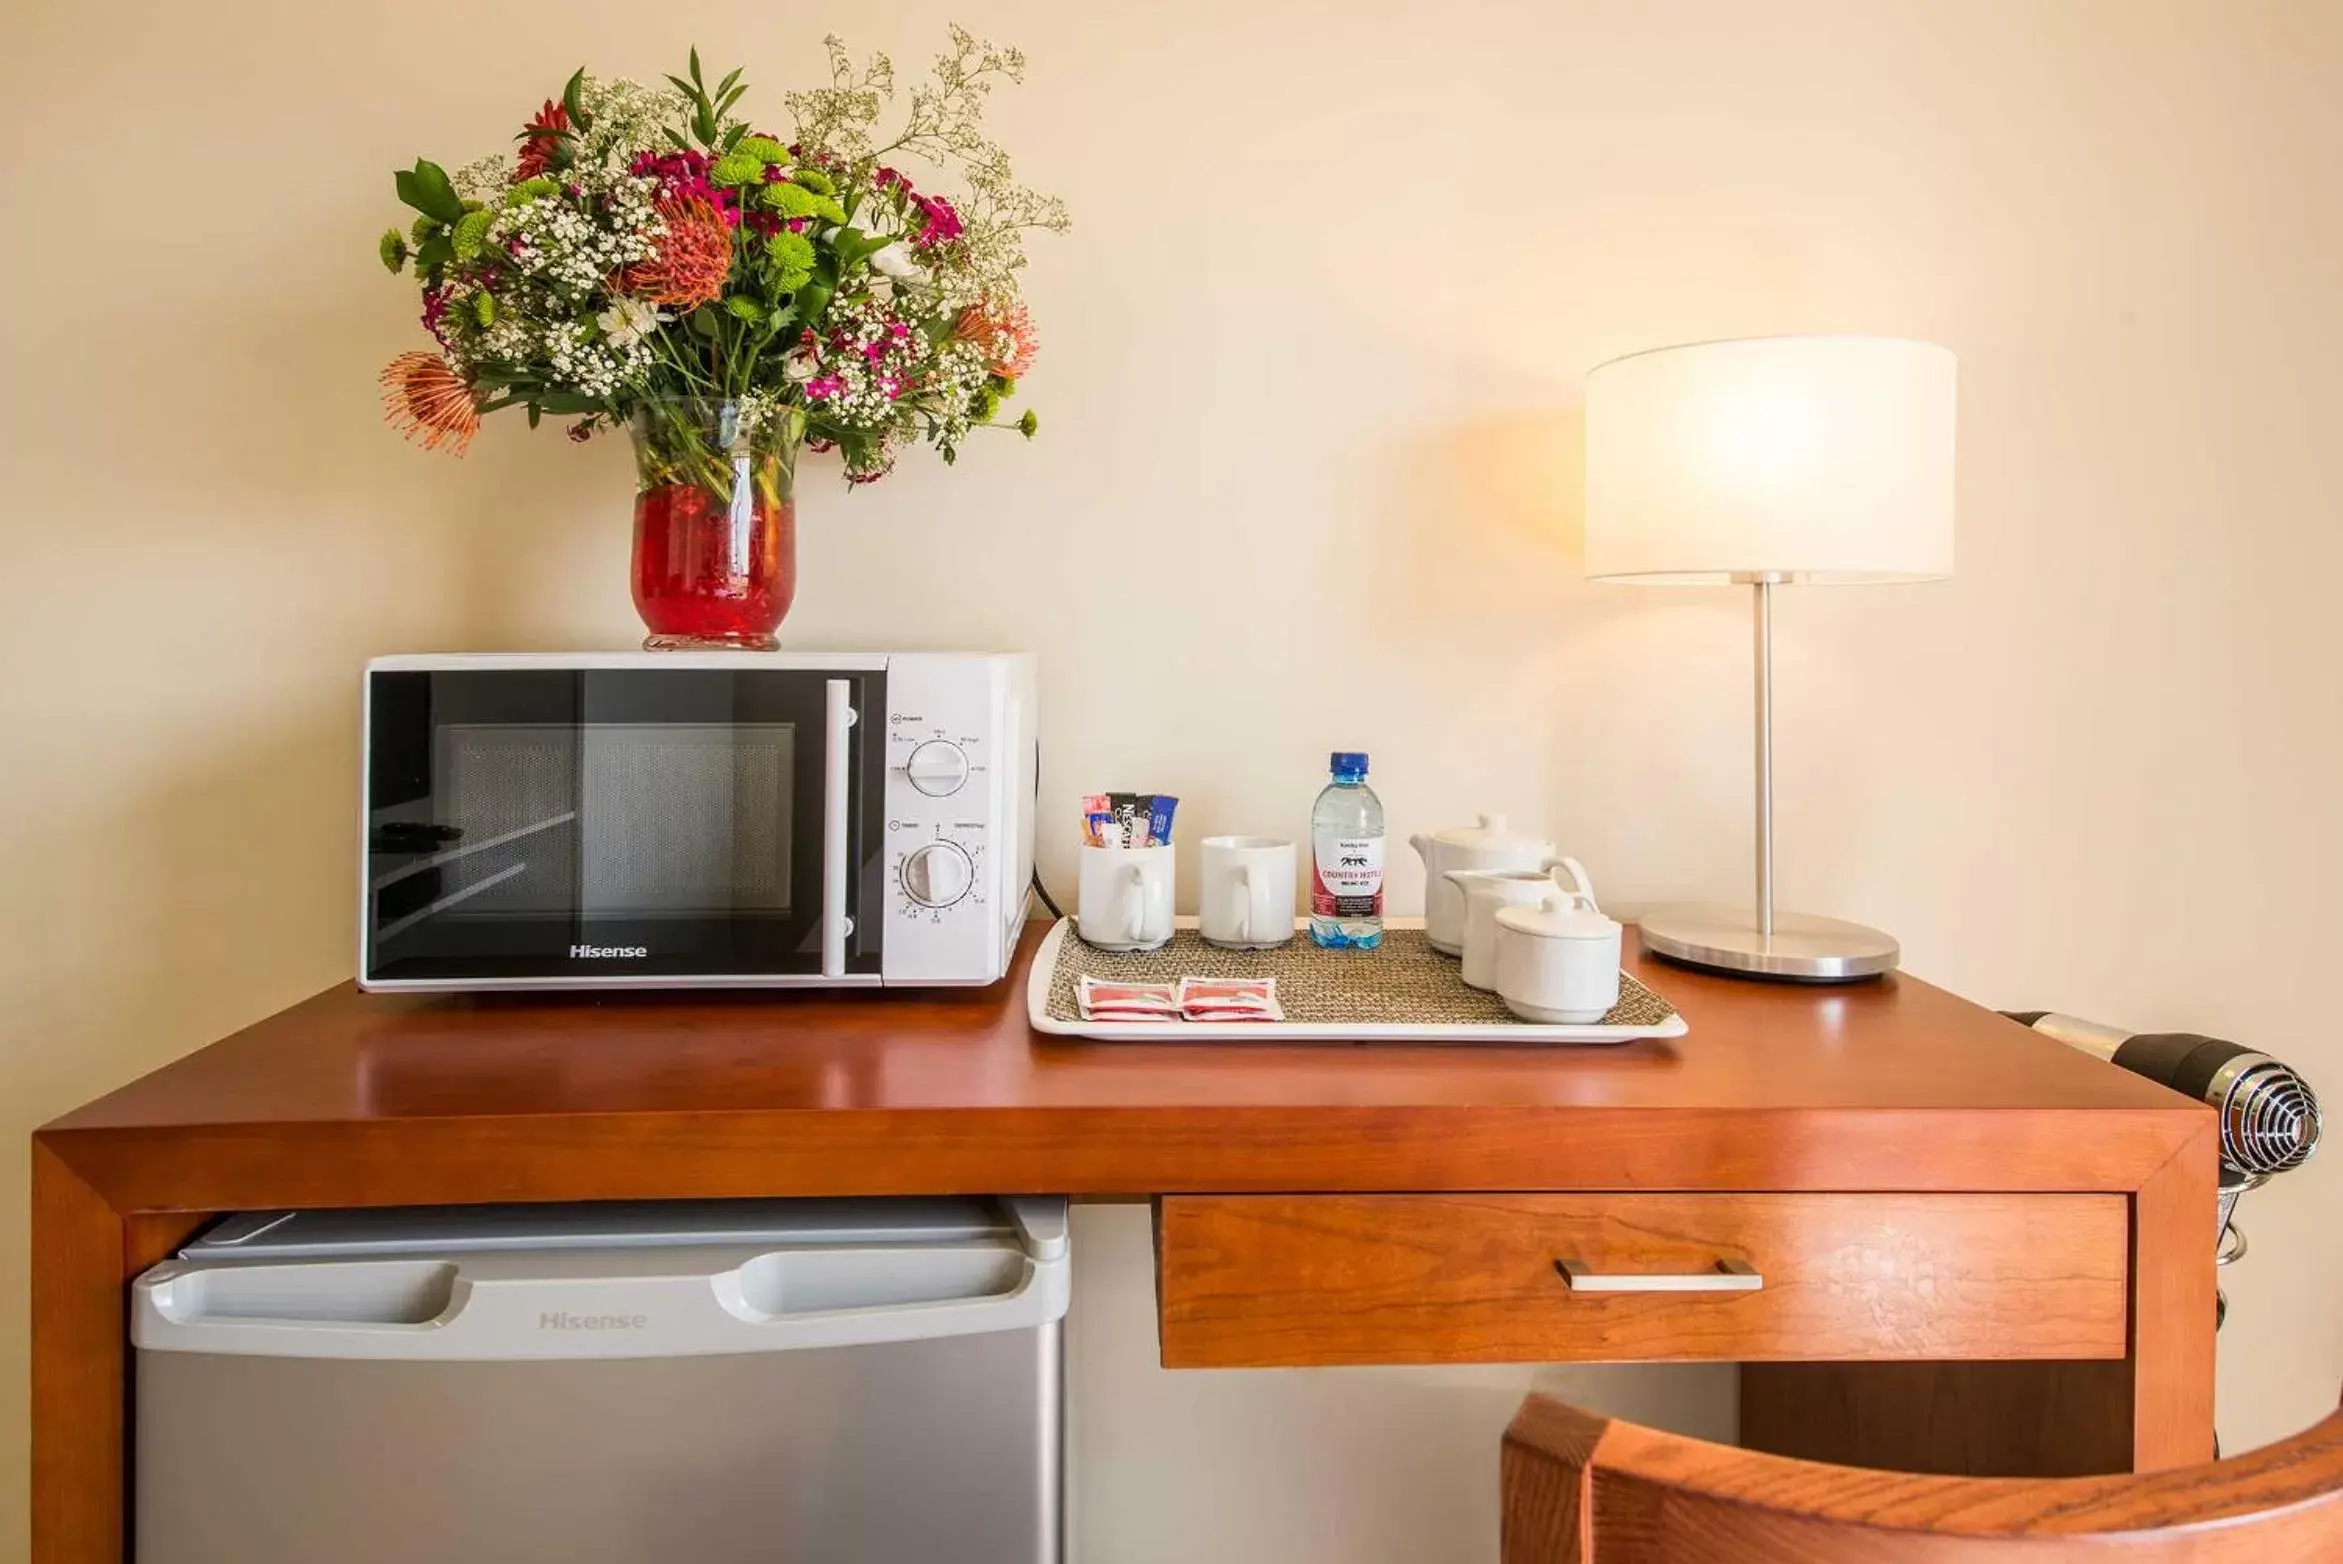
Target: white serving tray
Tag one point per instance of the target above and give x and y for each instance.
(1045, 966)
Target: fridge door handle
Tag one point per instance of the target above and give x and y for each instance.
(837, 783)
(784, 1300)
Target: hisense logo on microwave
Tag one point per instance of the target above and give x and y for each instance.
(608, 952)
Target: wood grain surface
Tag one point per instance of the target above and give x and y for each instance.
(356, 1099)
(1328, 1279)
(1578, 1489)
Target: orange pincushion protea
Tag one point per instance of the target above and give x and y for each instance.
(427, 401)
(1005, 334)
(693, 260)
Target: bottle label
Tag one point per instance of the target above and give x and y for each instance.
(1347, 876)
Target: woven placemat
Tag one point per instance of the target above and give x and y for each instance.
(1406, 981)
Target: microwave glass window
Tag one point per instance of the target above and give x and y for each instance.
(715, 834)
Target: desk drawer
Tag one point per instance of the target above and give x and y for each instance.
(1260, 1280)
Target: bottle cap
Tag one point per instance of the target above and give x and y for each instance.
(1349, 765)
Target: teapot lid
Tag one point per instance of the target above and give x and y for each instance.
(1491, 833)
(1569, 916)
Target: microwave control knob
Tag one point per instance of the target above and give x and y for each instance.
(937, 768)
(938, 874)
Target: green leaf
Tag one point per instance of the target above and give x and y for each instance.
(811, 300)
(695, 65)
(704, 322)
(853, 245)
(535, 413)
(434, 253)
(427, 189)
(731, 78)
(568, 402)
(572, 101)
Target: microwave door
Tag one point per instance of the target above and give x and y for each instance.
(629, 826)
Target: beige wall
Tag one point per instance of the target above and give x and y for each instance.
(1311, 362)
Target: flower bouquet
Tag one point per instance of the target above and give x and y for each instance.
(648, 259)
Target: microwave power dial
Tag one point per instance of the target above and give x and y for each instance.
(938, 768)
(937, 874)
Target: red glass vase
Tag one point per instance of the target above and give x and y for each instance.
(715, 525)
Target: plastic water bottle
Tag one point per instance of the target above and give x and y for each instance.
(1346, 859)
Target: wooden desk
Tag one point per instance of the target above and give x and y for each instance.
(2003, 1247)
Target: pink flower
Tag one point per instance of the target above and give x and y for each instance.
(683, 176)
(823, 387)
(943, 223)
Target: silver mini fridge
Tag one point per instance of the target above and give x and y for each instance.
(788, 1382)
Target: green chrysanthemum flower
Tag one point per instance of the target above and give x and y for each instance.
(394, 249)
(796, 201)
(815, 180)
(531, 190)
(1028, 424)
(424, 228)
(736, 168)
(470, 236)
(763, 148)
(484, 308)
(790, 252)
(789, 200)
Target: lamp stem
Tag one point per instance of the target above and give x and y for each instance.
(1765, 756)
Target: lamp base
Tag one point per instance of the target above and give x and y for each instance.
(1801, 949)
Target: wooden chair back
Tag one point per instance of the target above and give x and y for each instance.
(1581, 1489)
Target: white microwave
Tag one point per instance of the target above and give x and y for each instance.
(694, 820)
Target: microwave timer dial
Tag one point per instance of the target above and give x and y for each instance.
(938, 874)
(938, 768)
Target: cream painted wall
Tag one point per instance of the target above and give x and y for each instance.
(1311, 369)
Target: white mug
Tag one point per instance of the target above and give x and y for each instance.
(1487, 891)
(1248, 901)
(1126, 897)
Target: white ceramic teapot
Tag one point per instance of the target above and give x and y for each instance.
(1488, 845)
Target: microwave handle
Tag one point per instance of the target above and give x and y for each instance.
(837, 785)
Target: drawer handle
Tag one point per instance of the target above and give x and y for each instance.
(1728, 1276)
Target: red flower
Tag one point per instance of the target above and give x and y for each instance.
(693, 260)
(540, 137)
(428, 402)
(1004, 332)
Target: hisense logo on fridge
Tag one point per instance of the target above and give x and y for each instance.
(608, 952)
(555, 1319)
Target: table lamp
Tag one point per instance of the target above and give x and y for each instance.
(1766, 462)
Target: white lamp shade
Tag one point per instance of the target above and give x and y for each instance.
(1796, 458)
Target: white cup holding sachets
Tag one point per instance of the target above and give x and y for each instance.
(1248, 899)
(1125, 897)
